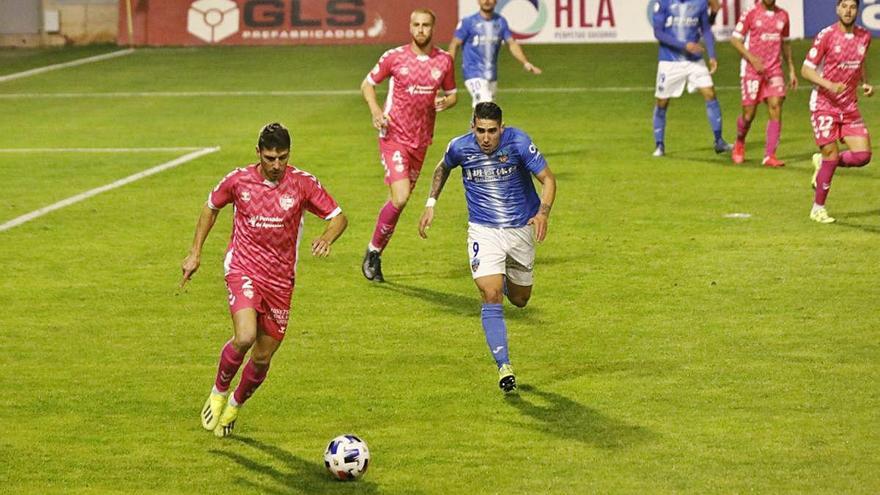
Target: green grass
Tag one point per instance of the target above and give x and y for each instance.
(666, 348)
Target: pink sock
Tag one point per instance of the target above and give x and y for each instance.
(251, 378)
(774, 129)
(823, 180)
(742, 128)
(385, 224)
(855, 158)
(230, 361)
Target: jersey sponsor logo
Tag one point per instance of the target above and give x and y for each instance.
(686, 21)
(488, 174)
(261, 222)
(286, 201)
(417, 89)
(771, 37)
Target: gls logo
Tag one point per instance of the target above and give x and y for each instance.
(871, 15)
(212, 20)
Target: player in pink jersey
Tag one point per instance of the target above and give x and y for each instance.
(761, 38)
(836, 66)
(269, 199)
(418, 71)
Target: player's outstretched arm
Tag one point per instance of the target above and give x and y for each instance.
(548, 195)
(792, 73)
(203, 227)
(335, 227)
(441, 173)
(454, 45)
(517, 52)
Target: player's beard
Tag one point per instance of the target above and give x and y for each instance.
(424, 44)
(847, 24)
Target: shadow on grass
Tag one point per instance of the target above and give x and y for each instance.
(468, 306)
(290, 474)
(560, 416)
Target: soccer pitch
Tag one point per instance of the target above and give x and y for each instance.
(667, 347)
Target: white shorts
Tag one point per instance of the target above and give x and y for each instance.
(672, 76)
(481, 90)
(506, 251)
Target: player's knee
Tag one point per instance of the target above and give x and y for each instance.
(243, 341)
(492, 295)
(518, 300)
(399, 199)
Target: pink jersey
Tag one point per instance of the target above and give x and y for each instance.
(839, 57)
(415, 80)
(763, 32)
(268, 220)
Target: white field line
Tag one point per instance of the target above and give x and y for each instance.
(99, 150)
(73, 63)
(317, 92)
(113, 185)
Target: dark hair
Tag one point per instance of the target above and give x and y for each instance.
(487, 110)
(274, 136)
(841, 1)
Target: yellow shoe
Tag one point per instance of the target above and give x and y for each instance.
(817, 164)
(821, 215)
(227, 421)
(506, 378)
(212, 409)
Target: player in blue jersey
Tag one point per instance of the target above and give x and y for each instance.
(505, 217)
(480, 37)
(678, 26)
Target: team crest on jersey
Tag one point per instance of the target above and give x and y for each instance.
(286, 202)
(862, 49)
(503, 158)
(245, 196)
(780, 25)
(759, 23)
(475, 264)
(436, 73)
(248, 293)
(837, 48)
(404, 71)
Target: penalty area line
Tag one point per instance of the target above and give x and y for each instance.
(64, 65)
(113, 185)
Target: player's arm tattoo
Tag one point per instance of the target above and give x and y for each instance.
(441, 173)
(544, 209)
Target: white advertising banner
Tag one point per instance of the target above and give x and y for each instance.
(606, 21)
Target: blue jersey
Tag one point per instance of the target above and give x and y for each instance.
(481, 42)
(498, 187)
(678, 22)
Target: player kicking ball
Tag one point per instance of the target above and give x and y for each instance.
(505, 217)
(836, 66)
(679, 25)
(761, 38)
(269, 199)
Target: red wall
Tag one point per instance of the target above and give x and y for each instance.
(278, 22)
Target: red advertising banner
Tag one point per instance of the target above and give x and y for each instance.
(277, 22)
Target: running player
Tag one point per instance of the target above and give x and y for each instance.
(269, 199)
(480, 36)
(505, 217)
(761, 38)
(417, 71)
(836, 66)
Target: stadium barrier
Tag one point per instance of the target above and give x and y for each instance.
(820, 14)
(274, 22)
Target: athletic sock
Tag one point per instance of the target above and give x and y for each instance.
(823, 180)
(713, 113)
(774, 130)
(385, 224)
(659, 125)
(855, 158)
(742, 128)
(230, 362)
(496, 332)
(251, 378)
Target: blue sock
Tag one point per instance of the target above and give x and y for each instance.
(496, 332)
(713, 112)
(659, 125)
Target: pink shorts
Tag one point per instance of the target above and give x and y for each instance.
(756, 88)
(829, 127)
(401, 161)
(272, 304)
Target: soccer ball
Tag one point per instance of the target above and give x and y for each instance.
(347, 457)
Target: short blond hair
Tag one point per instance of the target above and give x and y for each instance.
(425, 10)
